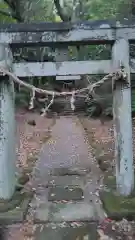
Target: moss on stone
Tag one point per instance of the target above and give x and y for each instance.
(16, 209)
(23, 179)
(117, 206)
(14, 202)
(10, 204)
(110, 182)
(18, 197)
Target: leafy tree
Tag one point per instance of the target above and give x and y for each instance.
(64, 10)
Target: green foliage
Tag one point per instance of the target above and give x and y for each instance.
(3, 18)
(44, 10)
(22, 98)
(133, 100)
(92, 107)
(103, 9)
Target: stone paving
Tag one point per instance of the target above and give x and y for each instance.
(66, 180)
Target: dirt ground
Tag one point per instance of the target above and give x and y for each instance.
(101, 138)
(30, 136)
(29, 139)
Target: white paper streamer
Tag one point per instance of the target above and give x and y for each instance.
(31, 104)
(46, 108)
(72, 101)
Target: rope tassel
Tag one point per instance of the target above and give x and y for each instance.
(46, 108)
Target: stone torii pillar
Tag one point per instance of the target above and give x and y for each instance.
(62, 52)
(123, 121)
(7, 127)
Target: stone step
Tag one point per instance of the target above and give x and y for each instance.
(73, 211)
(67, 180)
(70, 171)
(80, 211)
(68, 193)
(65, 231)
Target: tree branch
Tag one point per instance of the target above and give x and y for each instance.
(5, 13)
(15, 11)
(60, 12)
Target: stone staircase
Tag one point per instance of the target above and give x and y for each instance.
(65, 179)
(68, 213)
(63, 107)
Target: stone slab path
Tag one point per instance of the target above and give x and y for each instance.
(66, 180)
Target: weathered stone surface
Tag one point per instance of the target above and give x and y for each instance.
(40, 205)
(67, 232)
(66, 26)
(75, 211)
(45, 33)
(67, 150)
(42, 213)
(17, 214)
(117, 206)
(69, 171)
(57, 193)
(70, 211)
(66, 180)
(65, 68)
(31, 69)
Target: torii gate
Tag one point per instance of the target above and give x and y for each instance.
(118, 34)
